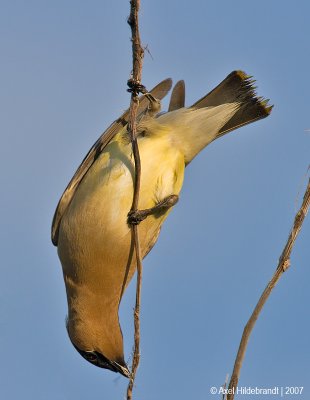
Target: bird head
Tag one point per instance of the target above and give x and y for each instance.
(99, 360)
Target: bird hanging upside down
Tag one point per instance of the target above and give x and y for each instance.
(90, 225)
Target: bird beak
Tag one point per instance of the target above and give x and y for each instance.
(98, 359)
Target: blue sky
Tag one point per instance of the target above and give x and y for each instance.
(64, 67)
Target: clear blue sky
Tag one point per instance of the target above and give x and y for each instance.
(64, 67)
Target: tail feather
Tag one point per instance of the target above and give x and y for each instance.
(237, 87)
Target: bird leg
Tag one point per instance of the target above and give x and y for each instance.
(135, 217)
(136, 87)
(154, 106)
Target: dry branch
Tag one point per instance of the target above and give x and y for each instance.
(284, 263)
(135, 87)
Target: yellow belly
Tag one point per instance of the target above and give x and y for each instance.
(95, 243)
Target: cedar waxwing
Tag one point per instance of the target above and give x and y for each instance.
(90, 225)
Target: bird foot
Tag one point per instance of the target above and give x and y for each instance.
(154, 105)
(137, 216)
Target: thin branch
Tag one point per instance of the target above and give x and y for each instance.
(284, 263)
(135, 87)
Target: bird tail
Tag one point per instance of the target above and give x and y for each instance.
(237, 87)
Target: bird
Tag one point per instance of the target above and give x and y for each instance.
(92, 223)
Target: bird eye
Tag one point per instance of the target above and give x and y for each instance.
(91, 357)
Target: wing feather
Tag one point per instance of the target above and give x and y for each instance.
(177, 99)
(159, 92)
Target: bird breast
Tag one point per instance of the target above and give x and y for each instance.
(95, 240)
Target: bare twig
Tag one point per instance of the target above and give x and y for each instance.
(284, 263)
(135, 87)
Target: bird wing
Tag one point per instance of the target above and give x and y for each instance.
(177, 99)
(159, 92)
(152, 242)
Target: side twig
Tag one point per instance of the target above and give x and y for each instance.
(284, 263)
(135, 87)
